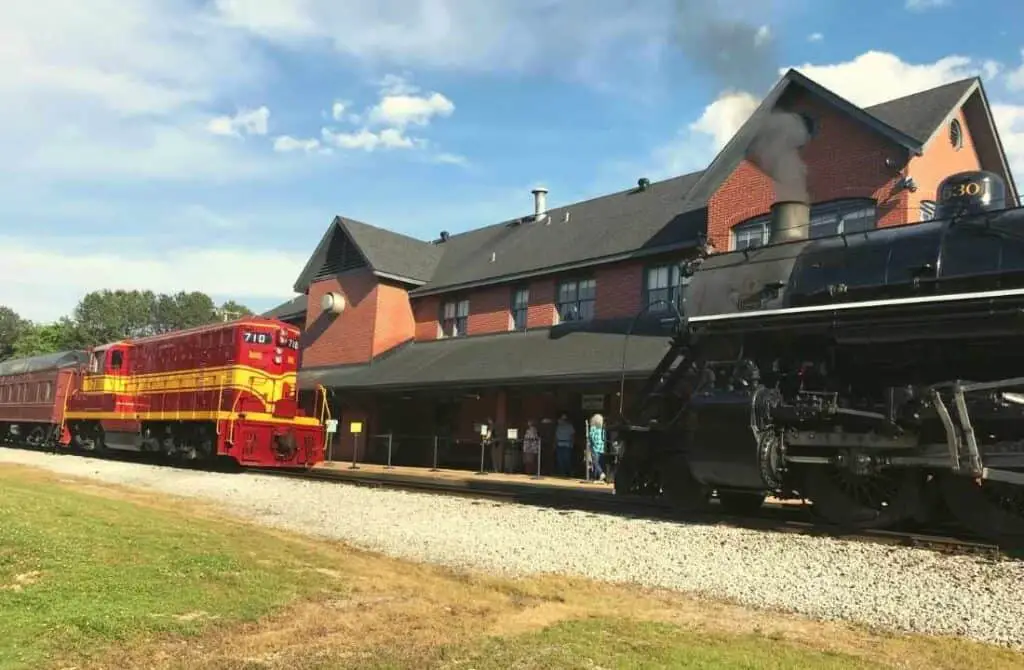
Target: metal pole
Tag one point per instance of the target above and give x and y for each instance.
(539, 450)
(588, 455)
(388, 466)
(483, 448)
(355, 452)
(434, 469)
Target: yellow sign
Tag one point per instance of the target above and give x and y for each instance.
(355, 427)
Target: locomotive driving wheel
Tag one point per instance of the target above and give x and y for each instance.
(873, 500)
(994, 510)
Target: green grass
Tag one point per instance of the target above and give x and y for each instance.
(90, 576)
(623, 644)
(79, 572)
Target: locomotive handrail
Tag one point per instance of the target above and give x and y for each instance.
(625, 344)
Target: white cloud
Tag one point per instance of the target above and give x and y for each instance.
(924, 5)
(287, 144)
(400, 106)
(338, 110)
(389, 138)
(248, 121)
(404, 110)
(499, 35)
(868, 79)
(1015, 78)
(38, 293)
(815, 37)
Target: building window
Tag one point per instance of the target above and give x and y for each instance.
(455, 318)
(831, 218)
(520, 308)
(663, 287)
(576, 300)
(927, 210)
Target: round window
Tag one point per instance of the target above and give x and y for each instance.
(956, 137)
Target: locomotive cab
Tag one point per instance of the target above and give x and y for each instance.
(966, 193)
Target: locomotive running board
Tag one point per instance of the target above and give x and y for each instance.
(865, 304)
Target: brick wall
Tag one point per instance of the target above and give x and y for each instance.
(845, 159)
(395, 322)
(348, 337)
(619, 290)
(940, 159)
(489, 310)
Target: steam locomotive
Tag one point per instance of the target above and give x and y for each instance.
(877, 374)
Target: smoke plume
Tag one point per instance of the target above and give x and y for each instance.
(741, 57)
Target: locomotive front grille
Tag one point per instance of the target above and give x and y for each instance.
(790, 220)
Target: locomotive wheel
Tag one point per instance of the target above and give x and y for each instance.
(995, 510)
(741, 503)
(863, 502)
(682, 489)
(36, 438)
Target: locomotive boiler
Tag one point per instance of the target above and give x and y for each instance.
(877, 374)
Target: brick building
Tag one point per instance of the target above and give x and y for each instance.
(528, 318)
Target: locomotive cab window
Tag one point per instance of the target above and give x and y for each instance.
(116, 360)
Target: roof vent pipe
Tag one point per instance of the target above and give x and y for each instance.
(540, 201)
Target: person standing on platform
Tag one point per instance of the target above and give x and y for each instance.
(565, 433)
(595, 436)
(531, 448)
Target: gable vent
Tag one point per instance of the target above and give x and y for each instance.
(342, 256)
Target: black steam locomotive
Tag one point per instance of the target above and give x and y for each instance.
(878, 374)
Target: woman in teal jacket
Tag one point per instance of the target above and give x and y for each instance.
(595, 436)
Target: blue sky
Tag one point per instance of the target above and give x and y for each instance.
(195, 144)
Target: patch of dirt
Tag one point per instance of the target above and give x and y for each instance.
(22, 580)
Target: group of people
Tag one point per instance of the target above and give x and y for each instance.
(596, 452)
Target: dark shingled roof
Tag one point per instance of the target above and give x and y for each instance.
(388, 254)
(393, 254)
(668, 215)
(564, 353)
(920, 114)
(289, 309)
(629, 223)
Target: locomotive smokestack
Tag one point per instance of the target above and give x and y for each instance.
(790, 221)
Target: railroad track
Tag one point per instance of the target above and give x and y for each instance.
(773, 517)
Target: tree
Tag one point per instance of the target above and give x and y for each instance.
(108, 316)
(49, 338)
(11, 327)
(232, 310)
(182, 310)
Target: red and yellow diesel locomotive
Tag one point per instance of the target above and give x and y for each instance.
(227, 389)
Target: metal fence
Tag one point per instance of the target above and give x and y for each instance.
(437, 452)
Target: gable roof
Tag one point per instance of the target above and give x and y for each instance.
(349, 244)
(628, 224)
(286, 310)
(666, 216)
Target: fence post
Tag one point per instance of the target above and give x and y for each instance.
(434, 469)
(483, 449)
(388, 466)
(355, 451)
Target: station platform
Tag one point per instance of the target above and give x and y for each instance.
(455, 480)
(511, 484)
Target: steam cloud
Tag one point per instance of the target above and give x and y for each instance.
(741, 57)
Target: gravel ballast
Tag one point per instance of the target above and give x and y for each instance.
(893, 587)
